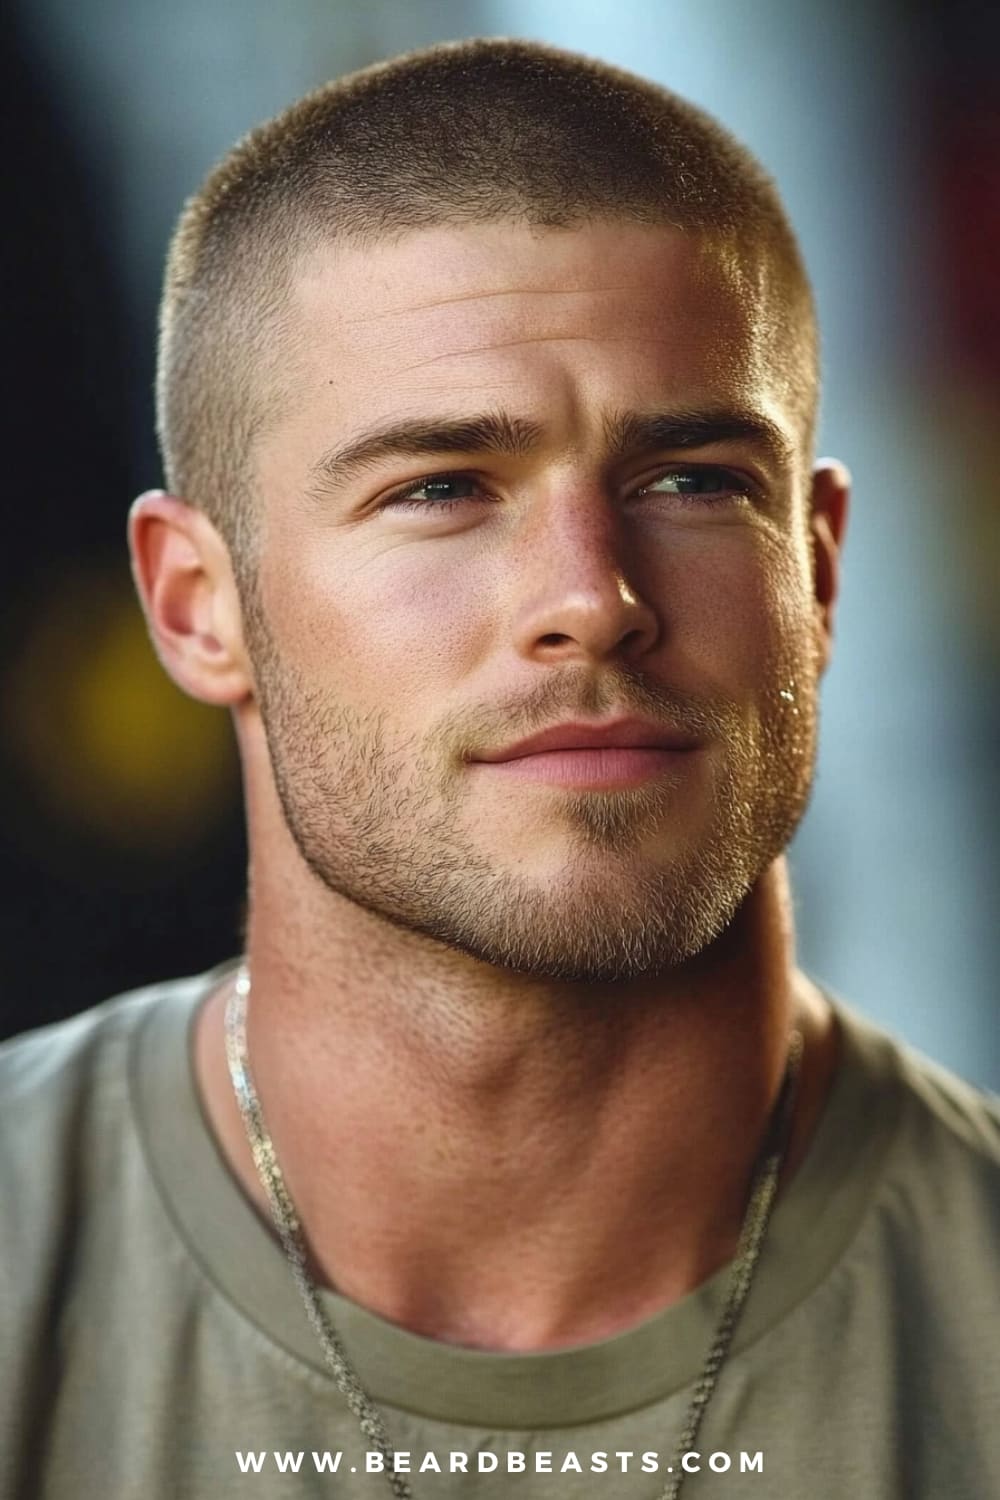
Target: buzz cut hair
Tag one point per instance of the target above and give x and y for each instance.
(456, 134)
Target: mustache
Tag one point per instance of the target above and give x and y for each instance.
(611, 696)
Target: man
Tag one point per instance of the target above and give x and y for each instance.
(487, 390)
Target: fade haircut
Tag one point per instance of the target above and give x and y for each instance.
(461, 133)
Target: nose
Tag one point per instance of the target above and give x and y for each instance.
(576, 584)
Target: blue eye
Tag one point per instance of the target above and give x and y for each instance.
(439, 492)
(698, 482)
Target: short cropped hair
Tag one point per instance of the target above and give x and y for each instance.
(460, 133)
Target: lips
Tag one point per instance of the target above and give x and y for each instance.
(620, 733)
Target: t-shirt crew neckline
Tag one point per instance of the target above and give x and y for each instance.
(813, 1221)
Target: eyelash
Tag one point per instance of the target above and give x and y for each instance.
(734, 484)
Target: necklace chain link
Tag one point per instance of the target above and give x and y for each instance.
(767, 1169)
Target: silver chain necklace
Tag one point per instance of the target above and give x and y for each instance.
(286, 1221)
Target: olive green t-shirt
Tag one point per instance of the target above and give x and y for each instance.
(154, 1345)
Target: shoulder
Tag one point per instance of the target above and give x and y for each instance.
(65, 1107)
(50, 1063)
(942, 1166)
(937, 1102)
(57, 1067)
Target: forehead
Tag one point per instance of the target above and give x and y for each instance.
(596, 316)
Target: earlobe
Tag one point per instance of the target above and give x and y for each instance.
(185, 583)
(827, 526)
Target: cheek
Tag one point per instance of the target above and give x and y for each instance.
(432, 621)
(739, 611)
(378, 627)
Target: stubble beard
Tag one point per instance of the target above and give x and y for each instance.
(391, 834)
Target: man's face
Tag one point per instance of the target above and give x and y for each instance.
(585, 562)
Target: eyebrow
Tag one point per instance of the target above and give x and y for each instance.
(492, 432)
(625, 432)
(628, 431)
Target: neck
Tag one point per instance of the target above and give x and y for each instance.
(511, 1163)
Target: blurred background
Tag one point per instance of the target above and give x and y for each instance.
(121, 844)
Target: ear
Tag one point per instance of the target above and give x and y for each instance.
(831, 488)
(185, 583)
